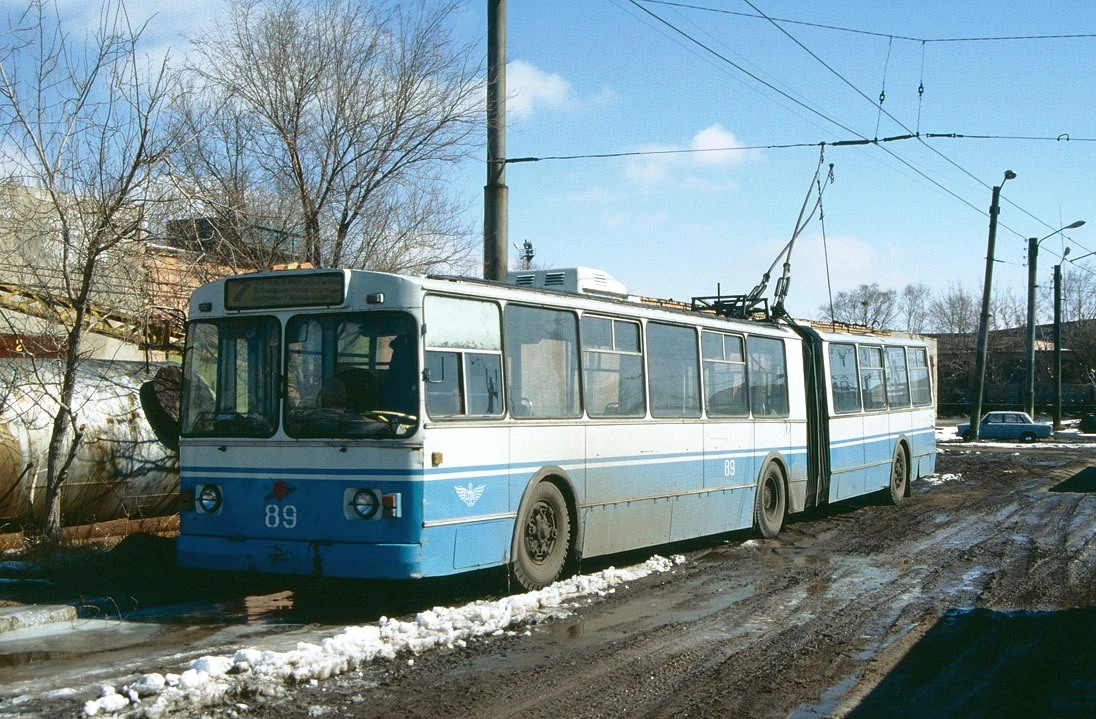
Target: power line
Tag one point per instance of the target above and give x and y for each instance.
(776, 23)
(1064, 137)
(856, 31)
(743, 70)
(793, 145)
(900, 124)
(817, 112)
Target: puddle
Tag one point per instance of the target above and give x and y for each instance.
(15, 659)
(81, 638)
(670, 607)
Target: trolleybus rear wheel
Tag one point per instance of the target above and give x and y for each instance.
(771, 502)
(899, 477)
(543, 538)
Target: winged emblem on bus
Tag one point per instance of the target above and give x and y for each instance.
(470, 495)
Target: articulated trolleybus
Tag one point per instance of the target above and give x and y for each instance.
(356, 424)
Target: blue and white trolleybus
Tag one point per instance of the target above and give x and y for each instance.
(356, 424)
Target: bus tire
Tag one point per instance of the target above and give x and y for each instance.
(899, 483)
(771, 501)
(542, 538)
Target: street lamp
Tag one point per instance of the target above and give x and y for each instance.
(983, 322)
(1033, 256)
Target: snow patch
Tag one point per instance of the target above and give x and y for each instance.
(254, 672)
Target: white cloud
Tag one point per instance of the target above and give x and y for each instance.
(711, 140)
(852, 262)
(713, 146)
(528, 87)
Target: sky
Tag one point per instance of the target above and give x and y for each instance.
(617, 77)
(614, 76)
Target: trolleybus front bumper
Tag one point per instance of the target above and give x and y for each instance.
(279, 556)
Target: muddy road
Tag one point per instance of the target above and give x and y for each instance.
(975, 597)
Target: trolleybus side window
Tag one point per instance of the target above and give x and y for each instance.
(612, 367)
(463, 357)
(920, 384)
(541, 351)
(672, 362)
(844, 379)
(768, 373)
(874, 389)
(724, 375)
(230, 382)
(351, 375)
(898, 384)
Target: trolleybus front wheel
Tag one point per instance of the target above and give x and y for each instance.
(542, 538)
(771, 502)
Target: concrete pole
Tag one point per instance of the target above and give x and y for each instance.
(1057, 346)
(495, 230)
(983, 324)
(1029, 387)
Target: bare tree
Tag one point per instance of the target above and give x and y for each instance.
(1078, 295)
(915, 302)
(1008, 309)
(955, 312)
(81, 123)
(867, 305)
(335, 121)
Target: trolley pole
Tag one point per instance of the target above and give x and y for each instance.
(495, 231)
(983, 324)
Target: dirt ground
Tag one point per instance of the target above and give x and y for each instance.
(975, 597)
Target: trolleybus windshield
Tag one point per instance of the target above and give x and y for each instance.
(351, 375)
(230, 378)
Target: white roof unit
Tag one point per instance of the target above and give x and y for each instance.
(576, 280)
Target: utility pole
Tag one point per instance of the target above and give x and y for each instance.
(983, 324)
(1029, 388)
(495, 231)
(1058, 344)
(1033, 257)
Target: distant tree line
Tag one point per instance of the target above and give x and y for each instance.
(956, 310)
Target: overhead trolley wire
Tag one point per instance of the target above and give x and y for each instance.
(837, 28)
(758, 14)
(904, 127)
(819, 113)
(793, 145)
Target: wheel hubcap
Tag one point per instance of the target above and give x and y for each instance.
(769, 499)
(899, 473)
(541, 532)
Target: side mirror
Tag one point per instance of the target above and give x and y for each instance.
(161, 399)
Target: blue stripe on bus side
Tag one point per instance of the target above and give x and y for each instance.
(356, 472)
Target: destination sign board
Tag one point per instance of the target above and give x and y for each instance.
(321, 289)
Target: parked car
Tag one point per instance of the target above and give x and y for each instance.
(1088, 424)
(1007, 425)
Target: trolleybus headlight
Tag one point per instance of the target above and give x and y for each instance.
(365, 503)
(209, 498)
